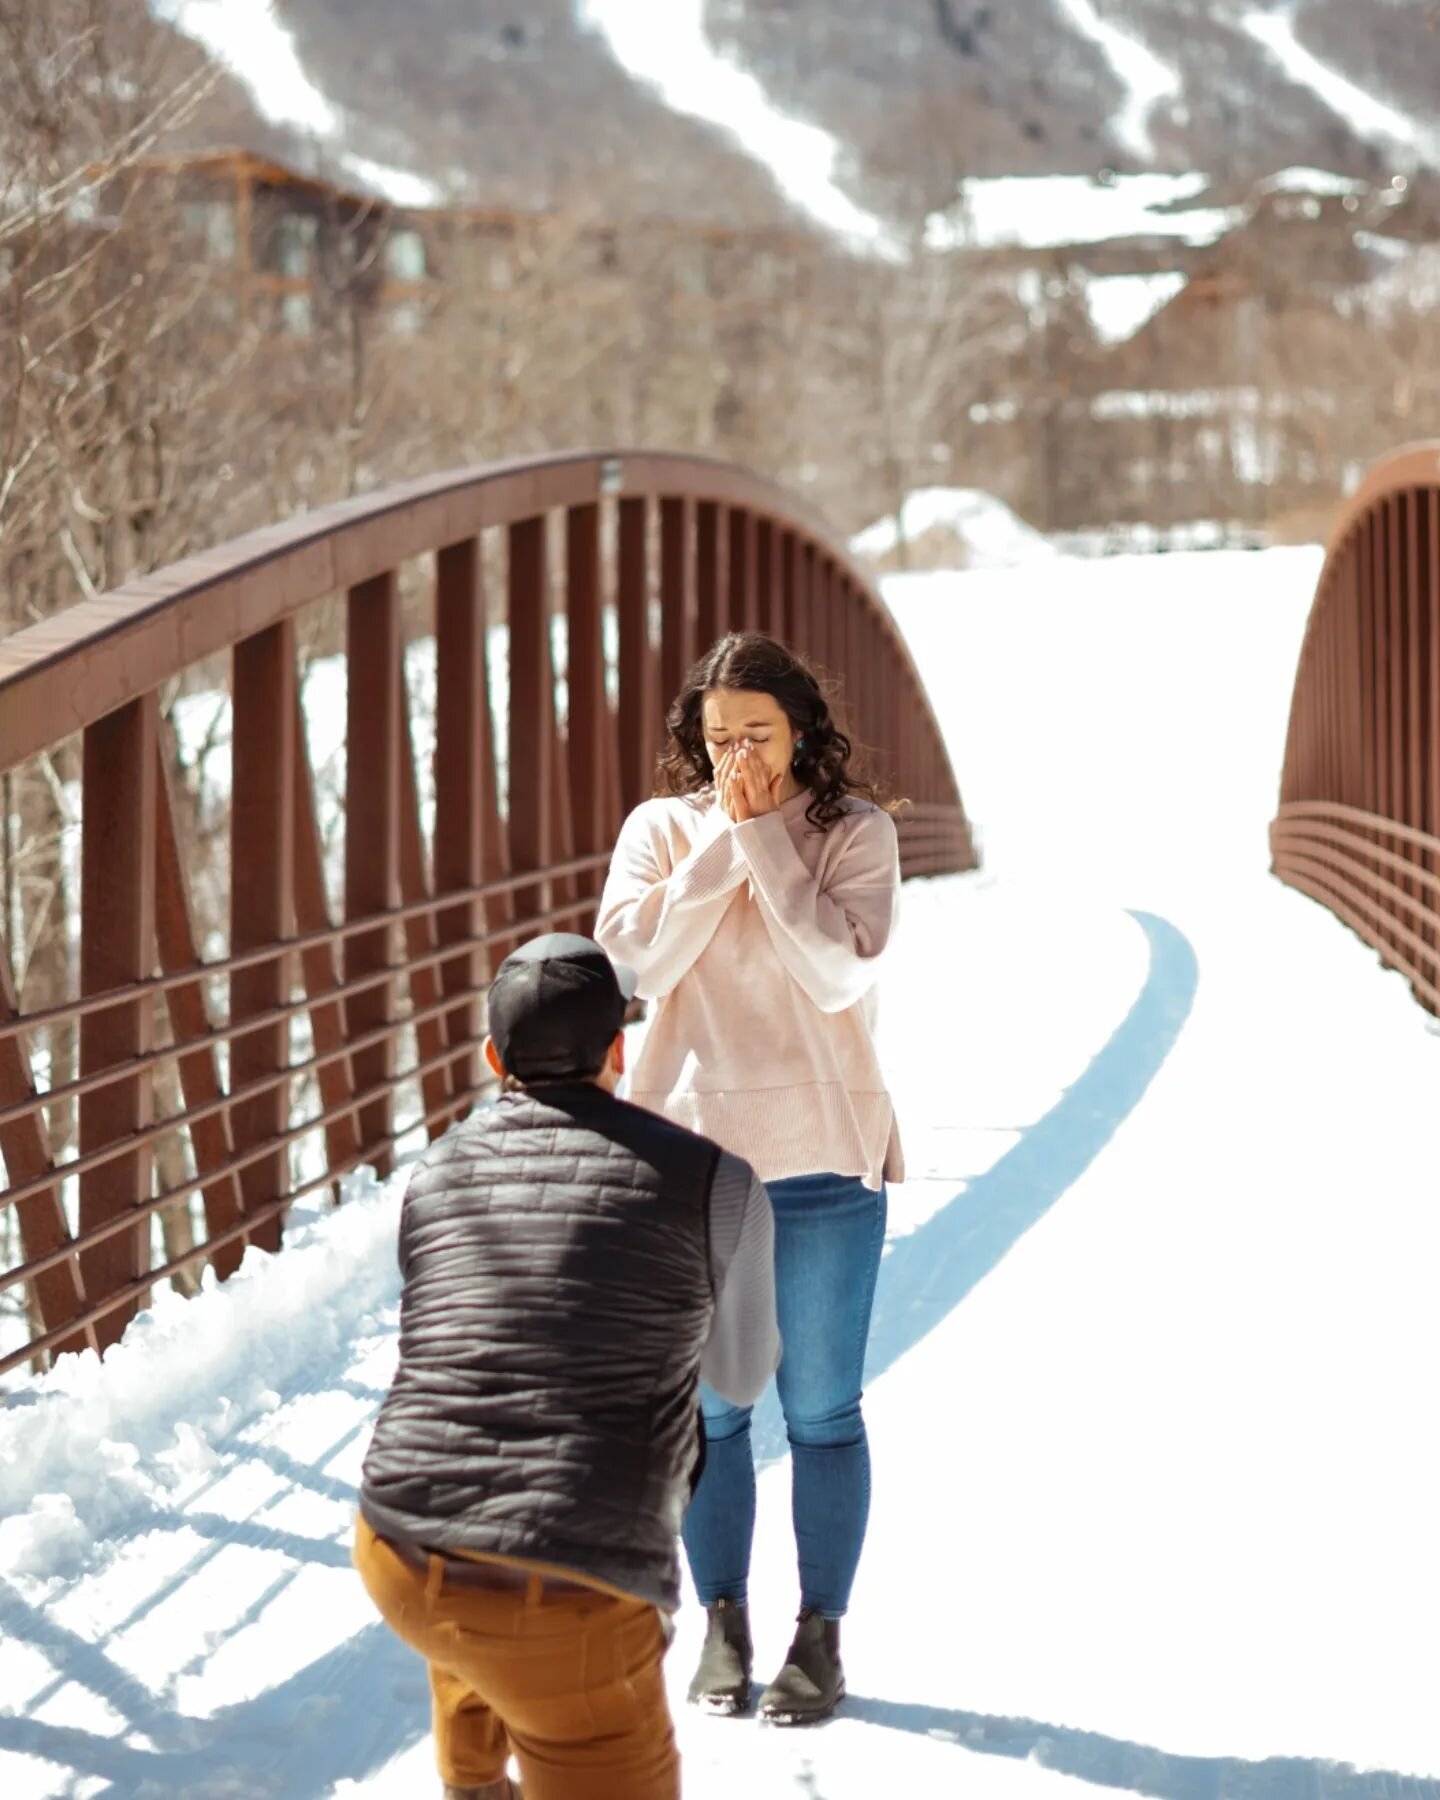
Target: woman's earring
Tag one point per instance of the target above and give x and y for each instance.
(799, 748)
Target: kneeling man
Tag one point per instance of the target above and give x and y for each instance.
(572, 1265)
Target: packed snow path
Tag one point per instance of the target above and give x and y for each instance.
(1152, 1376)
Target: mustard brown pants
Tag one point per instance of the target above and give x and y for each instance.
(565, 1677)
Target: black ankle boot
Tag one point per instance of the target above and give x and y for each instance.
(722, 1681)
(812, 1683)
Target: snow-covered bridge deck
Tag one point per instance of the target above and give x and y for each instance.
(1152, 1371)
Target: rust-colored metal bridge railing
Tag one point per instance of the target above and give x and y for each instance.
(1359, 821)
(642, 560)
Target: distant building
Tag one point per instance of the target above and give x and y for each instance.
(296, 242)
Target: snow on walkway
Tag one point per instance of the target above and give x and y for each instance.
(1150, 1385)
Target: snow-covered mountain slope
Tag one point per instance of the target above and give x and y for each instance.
(833, 109)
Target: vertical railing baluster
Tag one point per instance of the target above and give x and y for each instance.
(462, 709)
(788, 606)
(564, 889)
(874, 672)
(212, 1142)
(532, 721)
(372, 845)
(1348, 596)
(639, 701)
(585, 680)
(431, 1036)
(1366, 582)
(262, 861)
(677, 596)
(336, 1077)
(858, 667)
(820, 610)
(1383, 685)
(117, 948)
(741, 612)
(770, 554)
(884, 726)
(1398, 632)
(25, 1145)
(708, 620)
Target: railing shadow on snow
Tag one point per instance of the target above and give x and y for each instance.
(335, 1719)
(928, 1274)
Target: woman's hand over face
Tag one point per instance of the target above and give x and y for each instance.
(744, 787)
(729, 786)
(761, 789)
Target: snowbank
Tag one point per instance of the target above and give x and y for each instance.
(89, 1449)
(963, 527)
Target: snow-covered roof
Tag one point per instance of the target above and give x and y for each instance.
(1300, 180)
(1037, 212)
(1121, 304)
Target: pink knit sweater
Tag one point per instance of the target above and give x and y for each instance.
(760, 944)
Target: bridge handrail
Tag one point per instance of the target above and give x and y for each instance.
(1362, 757)
(673, 550)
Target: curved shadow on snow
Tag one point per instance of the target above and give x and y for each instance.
(928, 1274)
(1136, 1768)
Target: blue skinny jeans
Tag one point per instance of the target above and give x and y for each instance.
(829, 1231)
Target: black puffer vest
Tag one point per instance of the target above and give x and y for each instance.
(558, 1294)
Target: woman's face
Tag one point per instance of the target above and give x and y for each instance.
(733, 716)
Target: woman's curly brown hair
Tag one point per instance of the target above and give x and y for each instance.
(749, 662)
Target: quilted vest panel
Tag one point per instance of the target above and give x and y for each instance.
(558, 1294)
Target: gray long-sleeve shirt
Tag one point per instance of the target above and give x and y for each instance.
(743, 1349)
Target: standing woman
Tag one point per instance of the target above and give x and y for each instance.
(754, 896)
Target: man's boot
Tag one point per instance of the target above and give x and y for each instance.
(503, 1789)
(812, 1683)
(722, 1681)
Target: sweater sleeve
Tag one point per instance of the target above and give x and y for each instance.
(660, 922)
(743, 1349)
(829, 938)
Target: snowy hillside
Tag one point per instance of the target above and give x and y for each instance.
(1151, 1369)
(835, 109)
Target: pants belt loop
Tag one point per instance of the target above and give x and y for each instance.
(435, 1577)
(534, 1588)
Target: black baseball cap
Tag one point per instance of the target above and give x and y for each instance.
(556, 1004)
